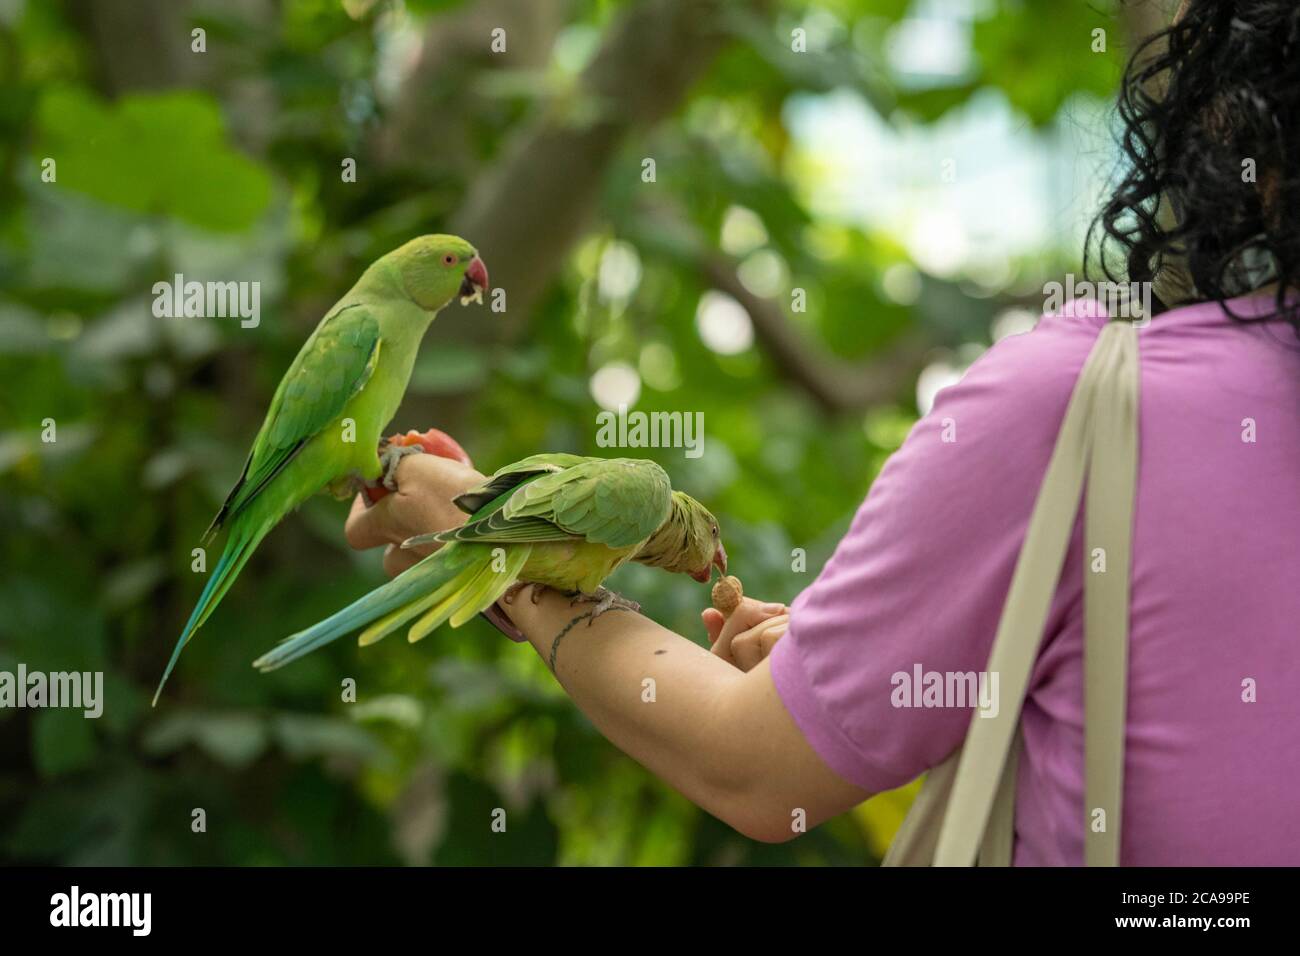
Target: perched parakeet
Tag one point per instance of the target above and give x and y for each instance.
(325, 421)
(558, 520)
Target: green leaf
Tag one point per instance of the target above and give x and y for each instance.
(156, 153)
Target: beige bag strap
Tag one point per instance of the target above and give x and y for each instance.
(917, 838)
(914, 843)
(967, 804)
(1108, 537)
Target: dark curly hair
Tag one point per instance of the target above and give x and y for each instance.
(1203, 104)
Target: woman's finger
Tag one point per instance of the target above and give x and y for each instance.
(749, 649)
(367, 527)
(713, 623)
(751, 613)
(771, 635)
(744, 650)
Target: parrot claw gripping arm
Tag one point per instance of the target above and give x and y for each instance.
(391, 457)
(513, 591)
(604, 600)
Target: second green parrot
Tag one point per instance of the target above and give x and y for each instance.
(328, 413)
(562, 521)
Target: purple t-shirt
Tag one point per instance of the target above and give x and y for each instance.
(1212, 761)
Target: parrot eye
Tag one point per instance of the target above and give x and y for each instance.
(448, 259)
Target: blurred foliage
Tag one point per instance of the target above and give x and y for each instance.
(226, 165)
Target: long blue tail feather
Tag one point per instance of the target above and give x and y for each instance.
(411, 585)
(239, 547)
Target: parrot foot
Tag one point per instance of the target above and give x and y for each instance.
(390, 456)
(605, 600)
(347, 487)
(352, 485)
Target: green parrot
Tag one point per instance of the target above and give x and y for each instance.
(324, 425)
(560, 521)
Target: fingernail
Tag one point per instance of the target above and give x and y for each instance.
(773, 608)
(779, 630)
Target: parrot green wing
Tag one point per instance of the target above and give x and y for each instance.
(615, 502)
(507, 479)
(548, 461)
(333, 365)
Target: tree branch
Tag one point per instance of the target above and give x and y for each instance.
(527, 212)
(836, 384)
(432, 112)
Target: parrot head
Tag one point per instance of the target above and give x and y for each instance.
(689, 542)
(435, 269)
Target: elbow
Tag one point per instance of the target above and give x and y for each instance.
(767, 829)
(755, 814)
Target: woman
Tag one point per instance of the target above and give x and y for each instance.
(1208, 212)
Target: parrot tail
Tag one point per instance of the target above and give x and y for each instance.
(240, 546)
(453, 584)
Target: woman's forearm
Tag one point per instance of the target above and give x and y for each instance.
(719, 735)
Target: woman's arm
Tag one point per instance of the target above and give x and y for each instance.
(719, 735)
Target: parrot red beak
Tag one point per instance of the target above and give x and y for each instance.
(475, 282)
(719, 561)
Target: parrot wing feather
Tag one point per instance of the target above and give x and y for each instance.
(498, 529)
(615, 502)
(333, 365)
(507, 479)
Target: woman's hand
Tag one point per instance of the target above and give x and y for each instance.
(421, 505)
(749, 634)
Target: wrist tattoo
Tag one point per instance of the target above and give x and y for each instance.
(555, 645)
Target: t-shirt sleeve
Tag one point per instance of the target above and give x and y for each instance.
(918, 583)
